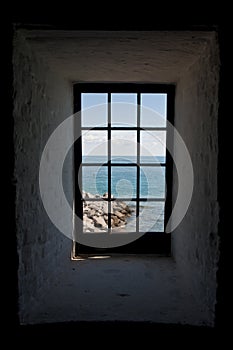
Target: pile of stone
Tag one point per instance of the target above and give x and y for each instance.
(95, 213)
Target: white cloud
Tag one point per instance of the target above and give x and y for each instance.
(94, 136)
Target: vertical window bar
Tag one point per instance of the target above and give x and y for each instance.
(169, 160)
(78, 204)
(138, 160)
(109, 162)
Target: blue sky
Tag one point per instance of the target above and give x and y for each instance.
(124, 113)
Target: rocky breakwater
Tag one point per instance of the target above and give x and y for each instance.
(95, 213)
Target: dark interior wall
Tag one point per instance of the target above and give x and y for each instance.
(41, 101)
(224, 178)
(222, 131)
(196, 240)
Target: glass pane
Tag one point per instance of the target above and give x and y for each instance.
(123, 218)
(94, 110)
(94, 180)
(124, 146)
(152, 182)
(124, 109)
(153, 110)
(94, 146)
(95, 216)
(123, 181)
(153, 146)
(151, 217)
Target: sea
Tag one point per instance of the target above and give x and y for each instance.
(124, 185)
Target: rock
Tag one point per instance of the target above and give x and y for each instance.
(115, 220)
(87, 220)
(88, 195)
(89, 227)
(91, 213)
(97, 229)
(105, 195)
(99, 222)
(121, 223)
(94, 206)
(124, 211)
(117, 207)
(95, 213)
(119, 214)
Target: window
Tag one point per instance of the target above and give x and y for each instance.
(123, 171)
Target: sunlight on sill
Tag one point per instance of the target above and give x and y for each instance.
(87, 257)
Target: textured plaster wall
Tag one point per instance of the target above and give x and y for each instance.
(53, 288)
(41, 101)
(119, 56)
(195, 241)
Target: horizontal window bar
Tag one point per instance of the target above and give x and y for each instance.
(94, 128)
(139, 128)
(120, 199)
(152, 164)
(106, 164)
(125, 128)
(124, 164)
(106, 233)
(106, 87)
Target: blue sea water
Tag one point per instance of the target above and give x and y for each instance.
(124, 178)
(123, 185)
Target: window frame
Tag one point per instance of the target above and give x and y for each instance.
(150, 242)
